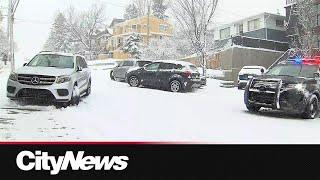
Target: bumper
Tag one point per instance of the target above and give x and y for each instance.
(193, 83)
(55, 92)
(291, 101)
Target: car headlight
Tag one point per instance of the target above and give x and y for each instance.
(299, 87)
(13, 77)
(63, 79)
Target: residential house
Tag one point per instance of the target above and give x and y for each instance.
(159, 29)
(256, 40)
(262, 26)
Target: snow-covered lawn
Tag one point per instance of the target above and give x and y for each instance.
(117, 112)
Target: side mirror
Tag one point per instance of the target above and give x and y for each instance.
(316, 75)
(79, 69)
(25, 64)
(262, 71)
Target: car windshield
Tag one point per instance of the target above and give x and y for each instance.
(52, 60)
(295, 70)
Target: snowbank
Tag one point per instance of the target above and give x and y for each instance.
(212, 73)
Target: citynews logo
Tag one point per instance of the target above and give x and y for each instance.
(41, 161)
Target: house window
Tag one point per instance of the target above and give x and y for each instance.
(134, 27)
(225, 33)
(163, 28)
(279, 23)
(254, 25)
(241, 29)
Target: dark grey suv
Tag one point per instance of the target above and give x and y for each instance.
(175, 76)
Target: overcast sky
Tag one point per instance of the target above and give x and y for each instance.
(34, 17)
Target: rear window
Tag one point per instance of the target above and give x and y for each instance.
(193, 68)
(168, 66)
(128, 63)
(143, 63)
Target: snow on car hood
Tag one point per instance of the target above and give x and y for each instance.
(285, 79)
(47, 71)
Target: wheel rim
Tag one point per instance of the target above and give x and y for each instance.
(134, 81)
(313, 109)
(175, 86)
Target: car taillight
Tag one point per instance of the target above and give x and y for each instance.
(187, 74)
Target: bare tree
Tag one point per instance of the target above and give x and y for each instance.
(306, 13)
(85, 26)
(142, 6)
(195, 17)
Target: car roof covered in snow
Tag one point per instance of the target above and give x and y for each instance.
(253, 67)
(138, 60)
(183, 63)
(58, 53)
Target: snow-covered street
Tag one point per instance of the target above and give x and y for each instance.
(116, 112)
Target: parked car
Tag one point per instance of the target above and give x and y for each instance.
(175, 76)
(119, 73)
(247, 73)
(102, 64)
(51, 76)
(289, 86)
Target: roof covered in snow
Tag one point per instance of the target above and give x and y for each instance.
(184, 63)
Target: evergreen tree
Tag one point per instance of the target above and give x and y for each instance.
(159, 8)
(131, 12)
(133, 45)
(59, 38)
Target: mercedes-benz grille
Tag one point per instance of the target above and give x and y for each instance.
(36, 80)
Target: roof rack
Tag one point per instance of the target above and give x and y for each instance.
(45, 51)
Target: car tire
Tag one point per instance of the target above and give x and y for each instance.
(253, 108)
(175, 86)
(88, 91)
(134, 81)
(112, 76)
(75, 98)
(312, 109)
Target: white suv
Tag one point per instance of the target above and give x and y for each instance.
(56, 77)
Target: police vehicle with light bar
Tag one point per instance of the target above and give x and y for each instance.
(291, 86)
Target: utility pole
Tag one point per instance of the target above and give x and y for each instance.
(148, 28)
(12, 7)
